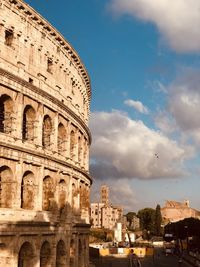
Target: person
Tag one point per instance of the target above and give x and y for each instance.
(134, 261)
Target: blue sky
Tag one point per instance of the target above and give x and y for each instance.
(143, 60)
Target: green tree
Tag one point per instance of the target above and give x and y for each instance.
(158, 221)
(130, 215)
(147, 219)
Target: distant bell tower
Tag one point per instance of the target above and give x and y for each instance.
(187, 203)
(105, 194)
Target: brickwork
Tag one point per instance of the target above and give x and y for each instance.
(44, 144)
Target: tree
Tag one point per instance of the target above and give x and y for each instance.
(158, 221)
(147, 219)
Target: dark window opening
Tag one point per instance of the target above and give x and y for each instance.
(30, 80)
(8, 37)
(50, 65)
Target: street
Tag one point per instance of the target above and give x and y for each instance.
(160, 260)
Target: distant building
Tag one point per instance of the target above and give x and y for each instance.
(111, 215)
(96, 214)
(135, 223)
(105, 194)
(103, 214)
(174, 211)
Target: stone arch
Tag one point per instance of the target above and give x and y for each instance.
(45, 255)
(28, 191)
(61, 254)
(6, 114)
(62, 188)
(72, 144)
(28, 125)
(26, 255)
(72, 253)
(6, 187)
(62, 134)
(48, 193)
(47, 129)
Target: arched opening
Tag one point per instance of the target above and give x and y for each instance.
(72, 253)
(62, 194)
(25, 257)
(61, 254)
(29, 117)
(6, 114)
(72, 145)
(46, 132)
(28, 191)
(6, 187)
(48, 193)
(61, 138)
(45, 255)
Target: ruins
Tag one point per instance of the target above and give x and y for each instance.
(44, 144)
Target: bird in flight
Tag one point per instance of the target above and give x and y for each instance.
(156, 155)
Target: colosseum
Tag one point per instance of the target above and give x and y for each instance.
(44, 144)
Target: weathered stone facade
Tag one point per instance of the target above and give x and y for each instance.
(174, 211)
(44, 144)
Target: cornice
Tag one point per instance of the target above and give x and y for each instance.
(51, 158)
(57, 36)
(39, 91)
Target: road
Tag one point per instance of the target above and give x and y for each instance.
(160, 260)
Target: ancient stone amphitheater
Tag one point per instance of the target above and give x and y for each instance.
(44, 144)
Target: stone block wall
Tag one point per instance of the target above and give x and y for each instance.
(44, 144)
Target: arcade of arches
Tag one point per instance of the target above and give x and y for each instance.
(44, 144)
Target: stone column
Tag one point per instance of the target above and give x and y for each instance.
(54, 140)
(68, 129)
(38, 130)
(18, 179)
(19, 116)
(86, 259)
(40, 177)
(76, 252)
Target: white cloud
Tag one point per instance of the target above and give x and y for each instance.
(180, 116)
(184, 100)
(136, 105)
(178, 21)
(124, 148)
(165, 123)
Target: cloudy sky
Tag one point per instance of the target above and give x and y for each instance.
(143, 60)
